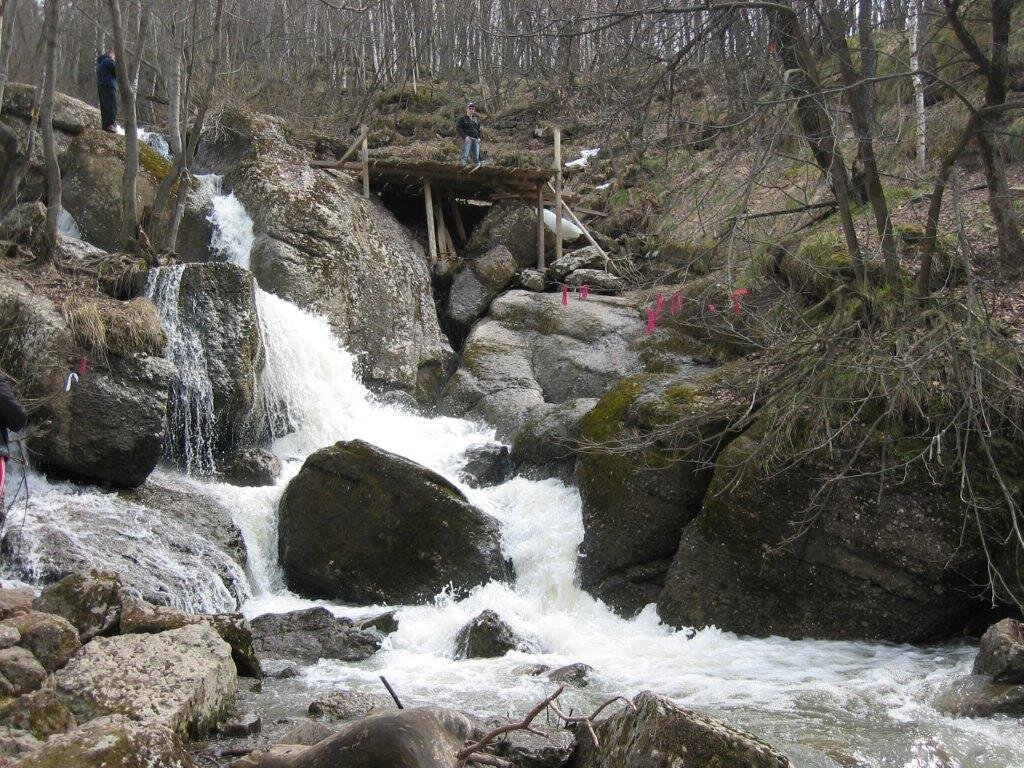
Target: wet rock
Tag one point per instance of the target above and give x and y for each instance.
(532, 280)
(476, 285)
(545, 446)
(589, 258)
(577, 675)
(400, 399)
(487, 465)
(531, 350)
(597, 280)
(308, 732)
(659, 734)
(487, 636)
(312, 634)
(111, 742)
(90, 600)
(16, 600)
(279, 669)
(252, 467)
(322, 245)
(183, 679)
(15, 742)
(196, 231)
(531, 670)
(138, 616)
(20, 672)
(978, 696)
(9, 637)
(51, 639)
(385, 623)
(511, 224)
(547, 749)
(348, 705)
(240, 726)
(169, 542)
(40, 713)
(409, 532)
(1001, 654)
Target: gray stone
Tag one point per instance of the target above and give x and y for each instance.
(1001, 654)
(487, 636)
(577, 675)
(90, 600)
(252, 467)
(659, 734)
(486, 465)
(532, 280)
(312, 634)
(476, 285)
(9, 637)
(15, 742)
(384, 623)
(582, 258)
(279, 669)
(111, 742)
(240, 726)
(597, 280)
(531, 670)
(546, 444)
(409, 532)
(549, 748)
(183, 679)
(512, 224)
(40, 713)
(25, 224)
(341, 706)
(20, 672)
(51, 639)
(16, 600)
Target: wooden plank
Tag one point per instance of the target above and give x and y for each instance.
(442, 243)
(460, 226)
(366, 162)
(540, 227)
(428, 201)
(558, 193)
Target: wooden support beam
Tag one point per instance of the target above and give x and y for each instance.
(540, 227)
(460, 226)
(366, 161)
(442, 232)
(428, 200)
(341, 161)
(558, 193)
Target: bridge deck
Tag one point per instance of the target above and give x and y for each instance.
(484, 182)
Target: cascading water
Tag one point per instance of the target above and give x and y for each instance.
(232, 227)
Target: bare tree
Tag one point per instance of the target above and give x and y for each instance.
(53, 180)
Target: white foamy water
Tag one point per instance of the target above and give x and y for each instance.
(67, 225)
(232, 226)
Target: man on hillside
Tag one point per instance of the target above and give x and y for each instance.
(13, 417)
(467, 128)
(106, 83)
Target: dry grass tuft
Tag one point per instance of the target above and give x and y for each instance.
(110, 327)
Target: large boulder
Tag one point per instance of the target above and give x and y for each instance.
(658, 734)
(312, 634)
(251, 468)
(40, 713)
(487, 636)
(90, 600)
(209, 311)
(1001, 654)
(883, 558)
(111, 742)
(509, 223)
(531, 349)
(637, 500)
(183, 679)
(322, 245)
(168, 541)
(51, 639)
(409, 533)
(546, 444)
(110, 425)
(20, 672)
(476, 285)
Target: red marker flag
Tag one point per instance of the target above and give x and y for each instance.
(584, 292)
(565, 295)
(675, 305)
(651, 320)
(659, 304)
(735, 297)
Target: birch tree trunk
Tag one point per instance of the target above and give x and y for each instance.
(129, 214)
(915, 64)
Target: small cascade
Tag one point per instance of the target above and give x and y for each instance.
(189, 440)
(232, 226)
(156, 142)
(67, 225)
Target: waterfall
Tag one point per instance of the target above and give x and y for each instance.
(190, 422)
(232, 226)
(67, 225)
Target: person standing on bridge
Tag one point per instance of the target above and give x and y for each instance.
(467, 128)
(106, 84)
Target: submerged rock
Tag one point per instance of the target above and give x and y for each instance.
(252, 468)
(409, 533)
(577, 675)
(1001, 654)
(659, 734)
(183, 679)
(476, 285)
(312, 634)
(111, 742)
(384, 623)
(90, 600)
(341, 706)
(487, 465)
(487, 636)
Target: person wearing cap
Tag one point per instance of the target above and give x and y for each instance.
(467, 128)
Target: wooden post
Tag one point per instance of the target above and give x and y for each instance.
(460, 226)
(428, 200)
(540, 227)
(439, 228)
(558, 193)
(366, 161)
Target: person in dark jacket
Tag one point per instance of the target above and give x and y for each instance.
(106, 83)
(12, 416)
(467, 128)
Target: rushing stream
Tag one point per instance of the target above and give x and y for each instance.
(826, 704)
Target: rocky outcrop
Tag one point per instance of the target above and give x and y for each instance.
(323, 246)
(90, 600)
(1001, 654)
(885, 560)
(312, 634)
(658, 734)
(582, 258)
(509, 223)
(111, 742)
(51, 639)
(476, 285)
(251, 468)
(409, 533)
(546, 444)
(532, 350)
(487, 636)
(486, 465)
(110, 425)
(183, 679)
(40, 713)
(341, 706)
(20, 672)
